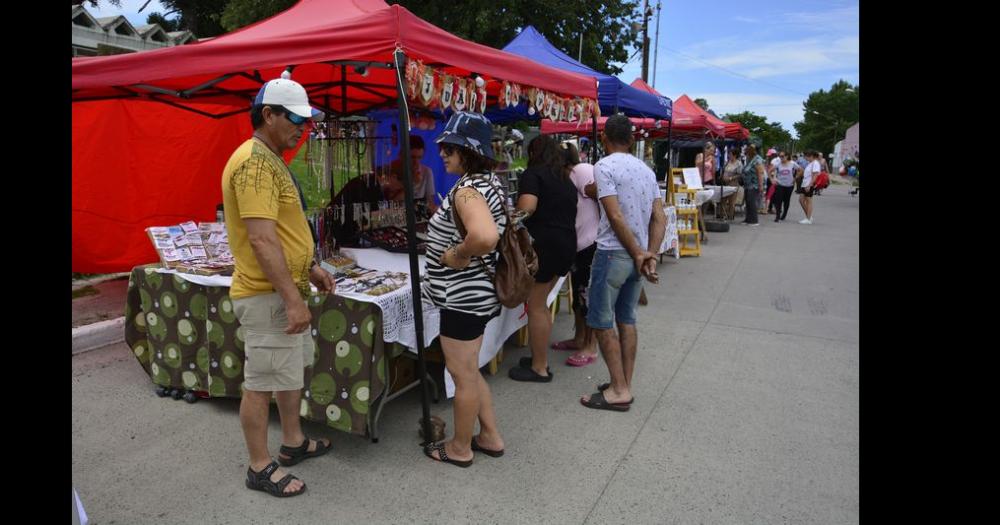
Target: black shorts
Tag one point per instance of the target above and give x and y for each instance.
(555, 255)
(463, 326)
(806, 193)
(581, 277)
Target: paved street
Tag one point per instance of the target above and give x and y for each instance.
(746, 411)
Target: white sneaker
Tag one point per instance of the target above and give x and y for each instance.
(805, 221)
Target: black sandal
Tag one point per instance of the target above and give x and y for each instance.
(262, 481)
(597, 401)
(604, 386)
(525, 373)
(301, 452)
(444, 455)
(488, 452)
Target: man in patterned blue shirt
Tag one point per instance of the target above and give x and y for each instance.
(628, 237)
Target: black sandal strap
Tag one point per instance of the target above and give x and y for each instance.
(296, 451)
(441, 452)
(282, 483)
(268, 471)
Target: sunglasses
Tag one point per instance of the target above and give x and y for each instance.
(296, 119)
(448, 150)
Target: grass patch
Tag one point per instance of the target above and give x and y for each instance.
(85, 291)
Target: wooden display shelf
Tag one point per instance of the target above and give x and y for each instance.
(687, 211)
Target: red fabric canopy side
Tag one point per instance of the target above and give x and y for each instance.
(127, 176)
(689, 117)
(638, 83)
(735, 130)
(549, 127)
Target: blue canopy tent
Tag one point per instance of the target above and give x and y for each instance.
(613, 95)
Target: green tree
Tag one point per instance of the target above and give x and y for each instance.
(702, 103)
(606, 26)
(168, 24)
(241, 13)
(761, 131)
(827, 115)
(201, 17)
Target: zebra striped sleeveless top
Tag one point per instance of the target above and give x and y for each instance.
(469, 290)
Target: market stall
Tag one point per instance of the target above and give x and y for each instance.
(152, 131)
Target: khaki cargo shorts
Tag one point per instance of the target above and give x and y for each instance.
(274, 359)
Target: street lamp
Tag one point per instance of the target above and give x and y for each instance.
(836, 123)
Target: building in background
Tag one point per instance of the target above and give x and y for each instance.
(114, 35)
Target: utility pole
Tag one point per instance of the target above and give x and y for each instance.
(656, 47)
(579, 57)
(645, 40)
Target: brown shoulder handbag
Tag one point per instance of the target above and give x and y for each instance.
(518, 262)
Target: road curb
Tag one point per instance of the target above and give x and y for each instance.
(97, 335)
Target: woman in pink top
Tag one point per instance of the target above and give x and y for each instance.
(588, 216)
(705, 162)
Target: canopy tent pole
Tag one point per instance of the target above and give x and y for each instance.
(593, 142)
(411, 233)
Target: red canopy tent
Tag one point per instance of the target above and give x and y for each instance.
(735, 130)
(656, 128)
(696, 120)
(152, 131)
(690, 119)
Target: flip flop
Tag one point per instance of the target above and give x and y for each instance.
(604, 386)
(597, 401)
(488, 452)
(439, 447)
(568, 344)
(576, 360)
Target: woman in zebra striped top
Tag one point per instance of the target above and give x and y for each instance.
(459, 281)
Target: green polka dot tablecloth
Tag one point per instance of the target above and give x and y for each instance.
(185, 335)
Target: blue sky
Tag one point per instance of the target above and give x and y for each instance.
(764, 56)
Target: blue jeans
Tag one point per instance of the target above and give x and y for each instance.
(614, 290)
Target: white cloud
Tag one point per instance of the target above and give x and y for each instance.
(746, 19)
(844, 17)
(775, 59)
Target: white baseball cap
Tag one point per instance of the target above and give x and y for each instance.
(288, 94)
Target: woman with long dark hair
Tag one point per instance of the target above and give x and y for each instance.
(459, 283)
(588, 217)
(548, 198)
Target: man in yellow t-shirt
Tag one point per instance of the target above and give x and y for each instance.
(273, 248)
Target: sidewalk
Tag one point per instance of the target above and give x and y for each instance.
(746, 411)
(98, 310)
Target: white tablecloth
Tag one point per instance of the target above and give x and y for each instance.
(498, 330)
(397, 306)
(670, 238)
(715, 194)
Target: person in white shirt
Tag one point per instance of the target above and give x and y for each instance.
(630, 232)
(806, 190)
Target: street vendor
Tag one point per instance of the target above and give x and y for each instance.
(423, 178)
(273, 248)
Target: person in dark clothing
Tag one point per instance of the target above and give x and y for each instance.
(548, 197)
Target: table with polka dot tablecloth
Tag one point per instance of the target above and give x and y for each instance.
(186, 336)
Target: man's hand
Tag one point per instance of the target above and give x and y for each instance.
(641, 260)
(322, 279)
(649, 271)
(298, 317)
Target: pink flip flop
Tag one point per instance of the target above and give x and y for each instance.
(568, 344)
(576, 360)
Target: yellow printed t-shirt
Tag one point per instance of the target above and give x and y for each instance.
(256, 184)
